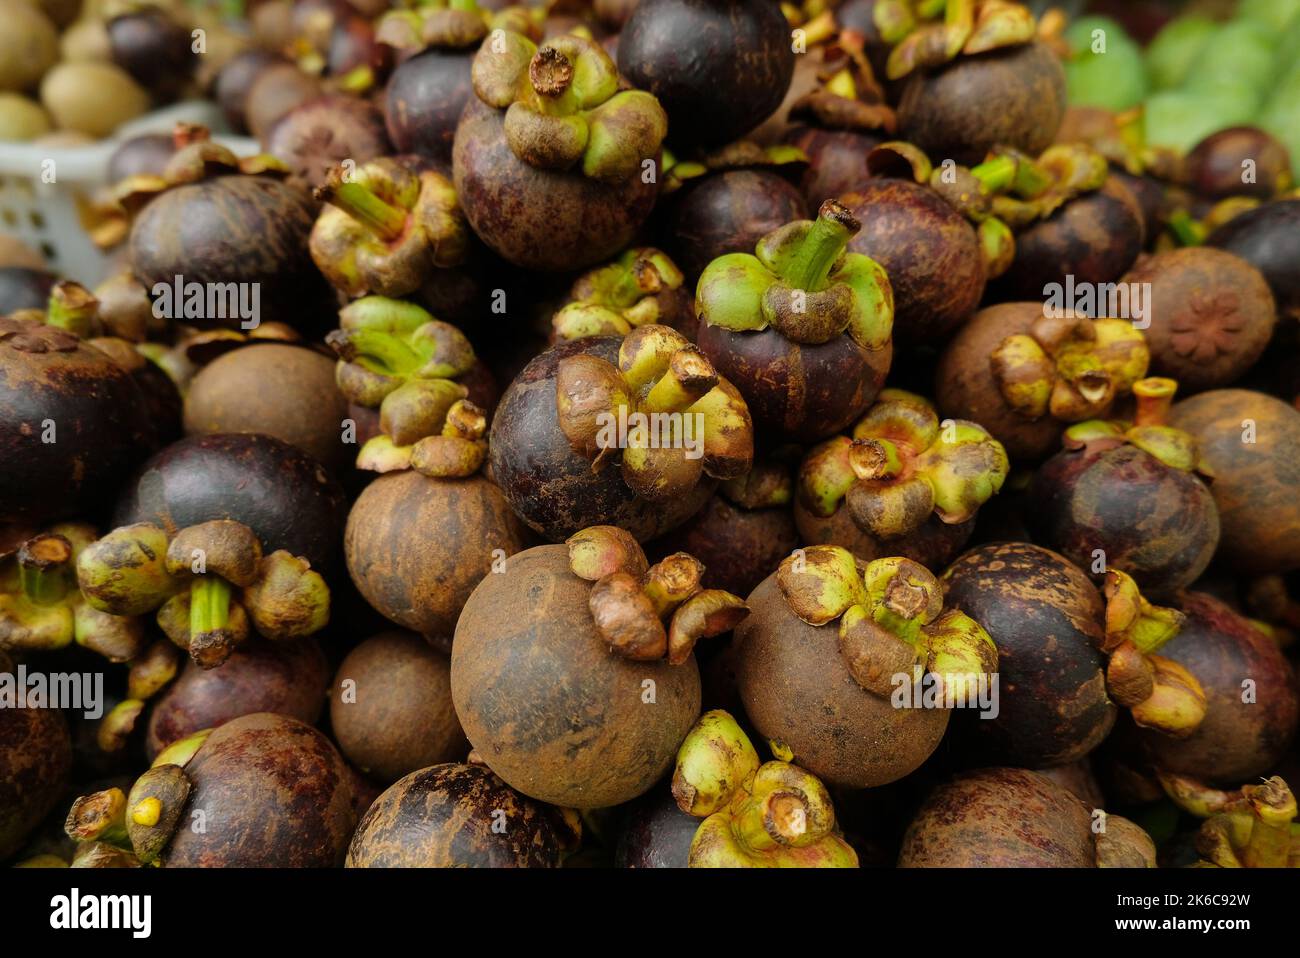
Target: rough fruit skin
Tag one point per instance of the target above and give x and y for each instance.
(545, 702)
(934, 544)
(444, 817)
(35, 759)
(1046, 618)
(424, 100)
(738, 547)
(1000, 818)
(1268, 238)
(275, 794)
(798, 691)
(1256, 484)
(416, 547)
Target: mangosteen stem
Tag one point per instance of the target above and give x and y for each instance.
(550, 73)
(761, 823)
(1155, 396)
(209, 604)
(375, 348)
(99, 817)
(875, 459)
(72, 307)
(825, 243)
(1274, 807)
(363, 205)
(42, 568)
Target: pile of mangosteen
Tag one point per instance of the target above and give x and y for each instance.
(710, 433)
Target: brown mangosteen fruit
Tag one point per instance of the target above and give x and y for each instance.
(35, 759)
(390, 707)
(1218, 165)
(236, 79)
(153, 47)
(23, 287)
(319, 134)
(424, 99)
(275, 90)
(656, 833)
(1268, 237)
(143, 154)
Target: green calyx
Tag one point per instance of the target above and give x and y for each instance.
(1148, 431)
(901, 466)
(739, 155)
(802, 282)
(929, 33)
(891, 619)
(768, 485)
(634, 290)
(1250, 827)
(445, 24)
(72, 307)
(385, 228)
(40, 607)
(774, 815)
(563, 106)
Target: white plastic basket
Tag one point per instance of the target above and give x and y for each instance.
(45, 214)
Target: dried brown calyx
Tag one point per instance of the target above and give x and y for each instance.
(849, 96)
(1149, 430)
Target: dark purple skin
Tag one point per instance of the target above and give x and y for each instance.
(930, 251)
(236, 229)
(276, 795)
(1268, 237)
(35, 759)
(797, 392)
(236, 79)
(837, 161)
(99, 416)
(152, 47)
(546, 220)
(23, 288)
(1095, 237)
(352, 45)
(728, 212)
(550, 486)
(288, 678)
(1010, 97)
(424, 100)
(719, 67)
(656, 833)
(1237, 740)
(1150, 195)
(318, 135)
(286, 497)
(1157, 523)
(146, 153)
(1214, 167)
(1045, 616)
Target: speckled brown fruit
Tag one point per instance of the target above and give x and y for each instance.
(1216, 166)
(539, 219)
(1211, 315)
(545, 702)
(1046, 618)
(319, 134)
(1011, 818)
(1268, 237)
(390, 707)
(234, 81)
(1094, 238)
(837, 161)
(550, 486)
(283, 391)
(416, 547)
(424, 99)
(35, 758)
(274, 91)
(1010, 97)
(727, 212)
(933, 545)
(930, 252)
(1251, 699)
(656, 833)
(739, 547)
(457, 816)
(287, 678)
(964, 387)
(274, 793)
(1157, 523)
(72, 423)
(1250, 440)
(798, 690)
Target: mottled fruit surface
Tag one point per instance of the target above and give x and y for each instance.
(35, 758)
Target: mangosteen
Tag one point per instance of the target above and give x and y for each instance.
(275, 90)
(22, 287)
(834, 703)
(1015, 818)
(1238, 161)
(642, 286)
(154, 48)
(287, 678)
(236, 79)
(1268, 238)
(390, 707)
(1024, 370)
(459, 816)
(903, 484)
(550, 158)
(656, 833)
(147, 153)
(317, 135)
(35, 759)
(1211, 315)
(719, 67)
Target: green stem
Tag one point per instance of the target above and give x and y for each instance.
(373, 348)
(1186, 230)
(387, 221)
(42, 568)
(825, 242)
(1155, 396)
(209, 604)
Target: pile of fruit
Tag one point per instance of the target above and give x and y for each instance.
(660, 433)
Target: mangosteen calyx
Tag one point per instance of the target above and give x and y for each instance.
(801, 282)
(1249, 827)
(1149, 430)
(634, 290)
(740, 155)
(967, 27)
(768, 485)
(452, 25)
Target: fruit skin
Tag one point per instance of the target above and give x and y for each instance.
(930, 251)
(29, 45)
(1237, 740)
(444, 817)
(933, 545)
(1011, 97)
(719, 67)
(399, 717)
(417, 547)
(319, 134)
(837, 161)
(1000, 818)
(236, 79)
(35, 759)
(656, 834)
(1256, 484)
(91, 98)
(1214, 167)
(545, 702)
(283, 391)
(282, 494)
(1211, 314)
(1157, 523)
(547, 220)
(287, 678)
(275, 793)
(1046, 618)
(23, 287)
(798, 690)
(1268, 237)
(424, 100)
(101, 429)
(550, 486)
